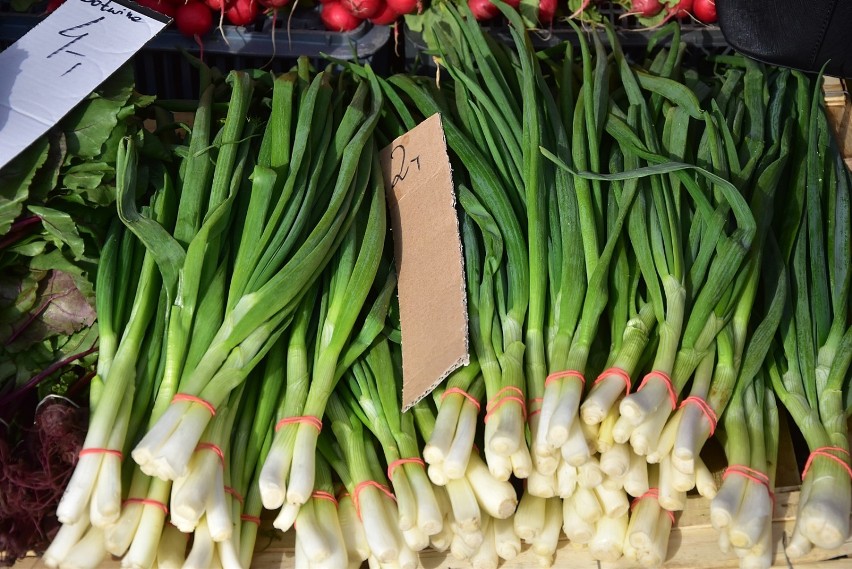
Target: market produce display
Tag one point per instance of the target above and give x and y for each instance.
(657, 253)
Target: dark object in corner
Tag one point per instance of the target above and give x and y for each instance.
(802, 34)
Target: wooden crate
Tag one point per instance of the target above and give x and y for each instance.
(839, 107)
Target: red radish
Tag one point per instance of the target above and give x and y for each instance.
(646, 8)
(218, 5)
(53, 5)
(385, 17)
(274, 4)
(242, 12)
(705, 11)
(513, 3)
(483, 9)
(160, 6)
(337, 18)
(363, 9)
(546, 11)
(405, 6)
(681, 10)
(194, 19)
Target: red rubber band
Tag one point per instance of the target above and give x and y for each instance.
(322, 495)
(214, 448)
(399, 462)
(464, 394)
(497, 402)
(307, 419)
(655, 494)
(193, 399)
(749, 473)
(252, 519)
(534, 401)
(361, 485)
(234, 493)
(615, 371)
(705, 408)
(826, 452)
(667, 380)
(113, 452)
(148, 502)
(563, 374)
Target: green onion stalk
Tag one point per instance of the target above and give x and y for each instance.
(203, 211)
(133, 368)
(810, 368)
(287, 477)
(695, 421)
(483, 129)
(319, 537)
(368, 488)
(742, 511)
(685, 316)
(299, 233)
(373, 386)
(202, 491)
(96, 482)
(649, 528)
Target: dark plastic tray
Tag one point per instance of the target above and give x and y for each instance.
(163, 70)
(699, 38)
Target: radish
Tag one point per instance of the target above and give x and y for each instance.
(483, 9)
(218, 5)
(274, 4)
(363, 9)
(513, 3)
(546, 11)
(337, 18)
(194, 19)
(242, 12)
(160, 6)
(705, 11)
(645, 8)
(405, 6)
(385, 17)
(681, 10)
(53, 5)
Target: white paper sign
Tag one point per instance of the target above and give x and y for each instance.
(58, 63)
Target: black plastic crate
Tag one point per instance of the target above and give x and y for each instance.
(701, 39)
(163, 70)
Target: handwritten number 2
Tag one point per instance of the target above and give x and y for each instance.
(404, 165)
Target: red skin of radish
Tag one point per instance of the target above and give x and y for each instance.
(274, 4)
(405, 6)
(385, 17)
(194, 19)
(483, 9)
(681, 10)
(705, 11)
(646, 8)
(363, 9)
(337, 18)
(546, 11)
(242, 12)
(53, 5)
(160, 6)
(513, 3)
(218, 5)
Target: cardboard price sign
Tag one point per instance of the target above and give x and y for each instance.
(429, 262)
(58, 63)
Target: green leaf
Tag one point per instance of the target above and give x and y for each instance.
(82, 273)
(15, 180)
(60, 229)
